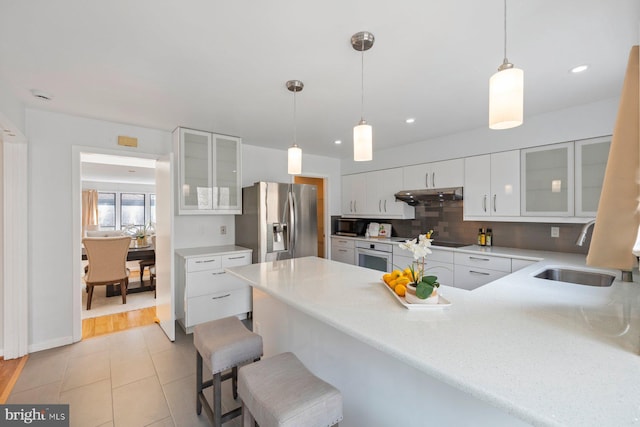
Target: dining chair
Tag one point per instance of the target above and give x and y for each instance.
(107, 258)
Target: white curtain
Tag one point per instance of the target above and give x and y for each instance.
(89, 210)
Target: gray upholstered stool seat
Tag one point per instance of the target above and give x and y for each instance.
(223, 344)
(280, 392)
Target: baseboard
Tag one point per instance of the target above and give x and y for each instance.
(46, 345)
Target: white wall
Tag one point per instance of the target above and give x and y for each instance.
(1, 246)
(51, 138)
(12, 108)
(585, 121)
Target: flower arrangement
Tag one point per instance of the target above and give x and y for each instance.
(425, 285)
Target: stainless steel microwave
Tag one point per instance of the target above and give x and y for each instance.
(350, 227)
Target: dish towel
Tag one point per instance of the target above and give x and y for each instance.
(616, 228)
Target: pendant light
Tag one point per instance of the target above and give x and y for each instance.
(294, 166)
(506, 92)
(362, 132)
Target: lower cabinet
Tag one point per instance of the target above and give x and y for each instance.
(204, 291)
(475, 270)
(343, 250)
(438, 263)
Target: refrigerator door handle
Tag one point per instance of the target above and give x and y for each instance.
(292, 223)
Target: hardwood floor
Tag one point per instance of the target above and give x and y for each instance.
(117, 322)
(10, 369)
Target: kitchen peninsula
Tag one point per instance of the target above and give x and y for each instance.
(517, 351)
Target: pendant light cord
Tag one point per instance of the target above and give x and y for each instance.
(362, 82)
(294, 116)
(505, 31)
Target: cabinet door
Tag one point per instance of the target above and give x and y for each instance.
(353, 194)
(381, 187)
(448, 173)
(227, 192)
(417, 177)
(591, 162)
(195, 170)
(342, 254)
(477, 185)
(547, 180)
(505, 183)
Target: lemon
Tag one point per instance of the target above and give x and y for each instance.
(387, 278)
(400, 290)
(407, 272)
(402, 280)
(396, 273)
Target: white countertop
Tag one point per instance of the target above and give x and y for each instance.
(210, 250)
(550, 353)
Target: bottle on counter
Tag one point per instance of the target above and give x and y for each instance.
(482, 237)
(488, 237)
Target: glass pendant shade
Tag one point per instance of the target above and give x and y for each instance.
(295, 160)
(506, 99)
(362, 142)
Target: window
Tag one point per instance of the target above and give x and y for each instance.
(120, 210)
(107, 211)
(132, 209)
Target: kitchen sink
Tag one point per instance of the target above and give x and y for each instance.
(579, 277)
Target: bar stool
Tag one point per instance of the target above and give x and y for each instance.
(280, 392)
(223, 344)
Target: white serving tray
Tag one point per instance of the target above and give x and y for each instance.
(442, 301)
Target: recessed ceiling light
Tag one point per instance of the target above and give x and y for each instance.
(337, 142)
(579, 68)
(410, 120)
(41, 95)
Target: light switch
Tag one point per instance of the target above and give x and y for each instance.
(555, 231)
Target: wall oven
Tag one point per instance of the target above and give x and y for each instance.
(378, 256)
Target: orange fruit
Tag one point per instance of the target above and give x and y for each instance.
(400, 290)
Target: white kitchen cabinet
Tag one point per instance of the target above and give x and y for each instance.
(371, 195)
(519, 264)
(591, 157)
(548, 180)
(475, 270)
(444, 174)
(209, 172)
(204, 291)
(343, 250)
(353, 194)
(438, 263)
(492, 185)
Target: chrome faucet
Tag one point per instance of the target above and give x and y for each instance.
(627, 275)
(583, 234)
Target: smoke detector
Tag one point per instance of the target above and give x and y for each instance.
(41, 95)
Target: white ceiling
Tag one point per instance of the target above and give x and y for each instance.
(222, 65)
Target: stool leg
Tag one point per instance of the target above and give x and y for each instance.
(198, 382)
(217, 400)
(234, 373)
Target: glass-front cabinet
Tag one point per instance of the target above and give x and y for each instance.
(548, 180)
(208, 172)
(591, 162)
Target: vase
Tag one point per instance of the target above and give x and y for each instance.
(411, 297)
(141, 241)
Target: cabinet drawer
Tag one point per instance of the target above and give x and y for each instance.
(233, 260)
(345, 255)
(217, 305)
(470, 278)
(204, 263)
(343, 243)
(483, 261)
(206, 282)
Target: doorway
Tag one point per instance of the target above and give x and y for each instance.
(127, 180)
(320, 185)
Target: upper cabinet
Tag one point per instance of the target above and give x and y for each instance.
(371, 195)
(209, 172)
(591, 162)
(445, 174)
(492, 185)
(548, 180)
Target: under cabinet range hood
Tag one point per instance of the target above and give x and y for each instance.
(414, 197)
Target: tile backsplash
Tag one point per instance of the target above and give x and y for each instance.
(447, 224)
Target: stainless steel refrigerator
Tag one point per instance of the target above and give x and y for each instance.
(278, 221)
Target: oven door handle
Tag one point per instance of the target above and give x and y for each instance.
(372, 252)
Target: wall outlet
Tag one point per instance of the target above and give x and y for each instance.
(223, 229)
(555, 231)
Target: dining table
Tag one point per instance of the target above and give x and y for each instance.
(135, 253)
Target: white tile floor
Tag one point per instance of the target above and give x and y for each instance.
(133, 378)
